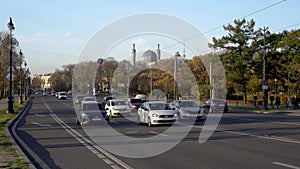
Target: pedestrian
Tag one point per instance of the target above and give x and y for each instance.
(255, 100)
(272, 100)
(277, 102)
(289, 103)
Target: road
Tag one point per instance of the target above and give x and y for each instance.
(242, 140)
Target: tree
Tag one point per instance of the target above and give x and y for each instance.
(238, 54)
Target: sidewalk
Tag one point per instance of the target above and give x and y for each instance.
(259, 109)
(3, 103)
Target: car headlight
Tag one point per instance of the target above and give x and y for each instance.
(175, 115)
(154, 115)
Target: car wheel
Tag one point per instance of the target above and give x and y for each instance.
(149, 122)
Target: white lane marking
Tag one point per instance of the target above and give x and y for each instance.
(40, 115)
(131, 132)
(286, 165)
(42, 125)
(283, 139)
(153, 132)
(86, 142)
(107, 161)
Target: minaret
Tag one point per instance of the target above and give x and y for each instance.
(183, 48)
(158, 52)
(133, 55)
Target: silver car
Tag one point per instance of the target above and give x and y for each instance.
(154, 113)
(188, 109)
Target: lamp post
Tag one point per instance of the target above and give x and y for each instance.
(25, 84)
(21, 93)
(275, 88)
(177, 55)
(264, 33)
(10, 101)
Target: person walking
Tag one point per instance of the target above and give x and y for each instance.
(289, 103)
(272, 100)
(277, 102)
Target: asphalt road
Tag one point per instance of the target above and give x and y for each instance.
(242, 140)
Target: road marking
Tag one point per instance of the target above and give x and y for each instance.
(107, 161)
(131, 132)
(40, 115)
(86, 142)
(42, 125)
(283, 139)
(286, 165)
(263, 137)
(153, 132)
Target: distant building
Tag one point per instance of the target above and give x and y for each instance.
(148, 56)
(45, 80)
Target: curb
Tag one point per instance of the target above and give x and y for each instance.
(12, 138)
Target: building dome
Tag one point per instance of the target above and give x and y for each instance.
(149, 56)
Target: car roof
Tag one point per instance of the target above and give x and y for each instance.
(156, 102)
(184, 100)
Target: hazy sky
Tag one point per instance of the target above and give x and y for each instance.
(53, 33)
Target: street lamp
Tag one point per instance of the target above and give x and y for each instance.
(264, 33)
(25, 84)
(10, 101)
(177, 55)
(21, 93)
(275, 88)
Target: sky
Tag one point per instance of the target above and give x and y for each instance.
(54, 33)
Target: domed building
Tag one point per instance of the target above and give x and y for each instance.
(149, 56)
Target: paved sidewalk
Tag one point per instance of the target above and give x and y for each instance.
(3, 103)
(259, 109)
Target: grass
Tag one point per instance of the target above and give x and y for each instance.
(5, 144)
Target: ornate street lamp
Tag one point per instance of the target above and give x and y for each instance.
(177, 55)
(21, 93)
(25, 82)
(10, 101)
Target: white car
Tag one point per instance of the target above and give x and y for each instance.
(62, 95)
(117, 107)
(188, 109)
(156, 112)
(89, 99)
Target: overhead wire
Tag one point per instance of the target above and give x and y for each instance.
(220, 26)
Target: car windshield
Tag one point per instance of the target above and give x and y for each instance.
(98, 106)
(159, 106)
(115, 103)
(188, 104)
(136, 101)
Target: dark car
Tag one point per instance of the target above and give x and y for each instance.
(134, 104)
(215, 105)
(91, 113)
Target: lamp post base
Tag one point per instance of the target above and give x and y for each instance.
(10, 106)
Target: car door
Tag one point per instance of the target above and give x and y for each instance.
(141, 112)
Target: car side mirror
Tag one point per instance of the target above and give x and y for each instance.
(173, 108)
